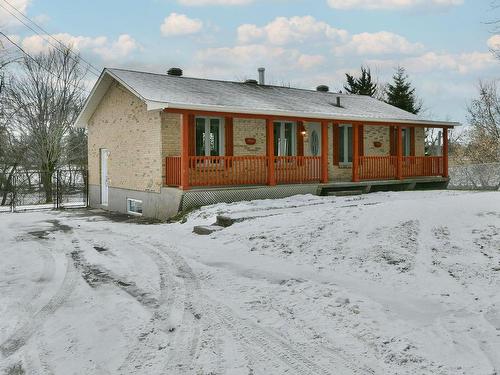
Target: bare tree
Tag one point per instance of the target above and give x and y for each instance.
(484, 119)
(47, 96)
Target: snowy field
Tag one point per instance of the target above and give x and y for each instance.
(385, 283)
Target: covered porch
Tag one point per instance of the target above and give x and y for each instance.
(337, 151)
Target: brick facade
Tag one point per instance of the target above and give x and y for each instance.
(249, 128)
(132, 135)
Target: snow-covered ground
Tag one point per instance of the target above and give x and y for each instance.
(385, 283)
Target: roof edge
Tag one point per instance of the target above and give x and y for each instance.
(97, 93)
(154, 105)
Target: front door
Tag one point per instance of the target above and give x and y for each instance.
(104, 176)
(314, 140)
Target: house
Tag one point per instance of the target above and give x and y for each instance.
(162, 143)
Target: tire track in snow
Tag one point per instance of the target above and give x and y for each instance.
(258, 343)
(21, 336)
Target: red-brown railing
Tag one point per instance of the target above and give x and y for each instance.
(377, 167)
(297, 169)
(420, 166)
(227, 170)
(173, 171)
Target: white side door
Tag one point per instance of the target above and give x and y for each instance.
(104, 176)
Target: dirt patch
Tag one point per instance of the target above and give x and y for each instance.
(56, 227)
(96, 275)
(16, 369)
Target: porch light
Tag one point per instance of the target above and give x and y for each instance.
(303, 132)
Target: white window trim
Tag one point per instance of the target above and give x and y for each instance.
(133, 212)
(343, 163)
(207, 131)
(282, 136)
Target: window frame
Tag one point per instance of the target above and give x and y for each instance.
(344, 159)
(222, 138)
(282, 131)
(134, 212)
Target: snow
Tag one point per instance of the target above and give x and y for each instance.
(384, 283)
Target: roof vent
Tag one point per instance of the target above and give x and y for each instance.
(175, 72)
(338, 102)
(322, 88)
(262, 79)
(252, 81)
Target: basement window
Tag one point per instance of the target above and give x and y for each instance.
(134, 206)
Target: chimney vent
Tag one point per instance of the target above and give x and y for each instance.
(322, 88)
(338, 102)
(251, 81)
(262, 79)
(177, 72)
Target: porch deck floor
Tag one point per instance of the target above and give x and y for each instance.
(331, 184)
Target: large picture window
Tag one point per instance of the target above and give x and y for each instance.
(209, 136)
(285, 138)
(345, 144)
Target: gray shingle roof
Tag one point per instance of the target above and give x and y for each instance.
(185, 92)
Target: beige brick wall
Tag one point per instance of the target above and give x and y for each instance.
(373, 134)
(170, 134)
(419, 141)
(249, 128)
(122, 125)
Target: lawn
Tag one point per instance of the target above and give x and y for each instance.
(384, 283)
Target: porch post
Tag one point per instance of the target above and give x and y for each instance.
(271, 178)
(399, 149)
(324, 151)
(445, 152)
(355, 152)
(185, 151)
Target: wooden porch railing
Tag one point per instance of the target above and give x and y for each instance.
(377, 167)
(253, 170)
(173, 171)
(385, 167)
(297, 169)
(227, 170)
(420, 166)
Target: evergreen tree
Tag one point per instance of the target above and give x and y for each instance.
(362, 85)
(400, 93)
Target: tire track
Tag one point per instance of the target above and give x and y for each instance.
(21, 336)
(259, 343)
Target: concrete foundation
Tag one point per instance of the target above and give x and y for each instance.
(170, 201)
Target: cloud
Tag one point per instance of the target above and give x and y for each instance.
(248, 57)
(180, 24)
(282, 31)
(119, 49)
(7, 19)
(100, 45)
(379, 43)
(462, 63)
(494, 42)
(213, 2)
(391, 4)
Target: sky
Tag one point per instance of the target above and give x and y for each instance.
(443, 44)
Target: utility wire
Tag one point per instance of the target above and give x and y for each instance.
(92, 68)
(85, 91)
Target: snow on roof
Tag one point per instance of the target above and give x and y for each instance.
(161, 91)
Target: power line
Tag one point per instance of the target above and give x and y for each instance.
(85, 91)
(93, 69)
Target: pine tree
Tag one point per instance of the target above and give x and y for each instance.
(362, 85)
(400, 93)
